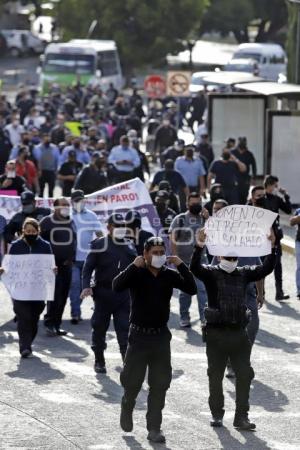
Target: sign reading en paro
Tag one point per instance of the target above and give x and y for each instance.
(239, 230)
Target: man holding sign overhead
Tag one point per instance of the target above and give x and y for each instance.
(227, 314)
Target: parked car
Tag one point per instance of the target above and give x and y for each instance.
(22, 42)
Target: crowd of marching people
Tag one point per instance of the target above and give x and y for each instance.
(70, 144)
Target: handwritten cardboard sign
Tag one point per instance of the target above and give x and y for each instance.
(239, 230)
(29, 277)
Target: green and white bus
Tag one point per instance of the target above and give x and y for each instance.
(88, 61)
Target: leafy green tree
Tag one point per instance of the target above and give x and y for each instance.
(269, 17)
(144, 31)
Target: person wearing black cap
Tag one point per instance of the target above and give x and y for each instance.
(87, 226)
(68, 172)
(165, 214)
(107, 257)
(29, 209)
(92, 178)
(139, 236)
(164, 185)
(151, 286)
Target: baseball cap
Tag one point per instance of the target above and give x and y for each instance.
(27, 197)
(133, 217)
(77, 195)
(154, 242)
(116, 219)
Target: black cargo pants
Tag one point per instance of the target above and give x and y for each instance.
(152, 351)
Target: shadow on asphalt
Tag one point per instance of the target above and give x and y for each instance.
(261, 394)
(40, 372)
(6, 339)
(283, 309)
(266, 339)
(132, 443)
(111, 391)
(252, 442)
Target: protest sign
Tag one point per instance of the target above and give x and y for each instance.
(121, 197)
(29, 277)
(239, 230)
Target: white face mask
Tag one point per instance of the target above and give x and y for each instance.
(228, 266)
(119, 233)
(275, 191)
(11, 174)
(158, 261)
(65, 212)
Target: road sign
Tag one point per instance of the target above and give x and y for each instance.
(155, 86)
(178, 84)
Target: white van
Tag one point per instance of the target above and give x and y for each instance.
(271, 58)
(22, 42)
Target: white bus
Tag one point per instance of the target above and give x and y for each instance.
(88, 61)
(108, 61)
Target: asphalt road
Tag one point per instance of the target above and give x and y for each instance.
(56, 401)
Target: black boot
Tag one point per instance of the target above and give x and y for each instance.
(156, 436)
(243, 423)
(99, 365)
(126, 421)
(216, 422)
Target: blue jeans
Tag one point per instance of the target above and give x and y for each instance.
(76, 288)
(253, 325)
(185, 301)
(298, 266)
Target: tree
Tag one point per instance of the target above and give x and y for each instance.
(236, 16)
(144, 31)
(291, 43)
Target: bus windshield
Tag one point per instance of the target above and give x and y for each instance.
(108, 63)
(244, 55)
(69, 63)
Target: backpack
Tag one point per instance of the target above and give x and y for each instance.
(232, 309)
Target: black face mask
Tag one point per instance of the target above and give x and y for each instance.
(28, 209)
(161, 206)
(226, 156)
(76, 145)
(195, 209)
(31, 238)
(260, 202)
(26, 141)
(216, 195)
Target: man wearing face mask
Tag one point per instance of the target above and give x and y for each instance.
(215, 193)
(29, 209)
(107, 257)
(182, 237)
(59, 229)
(68, 172)
(14, 130)
(139, 236)
(165, 136)
(277, 199)
(10, 182)
(192, 170)
(87, 226)
(47, 156)
(93, 177)
(227, 317)
(225, 171)
(82, 155)
(243, 154)
(151, 286)
(165, 214)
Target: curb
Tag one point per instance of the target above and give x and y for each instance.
(288, 245)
